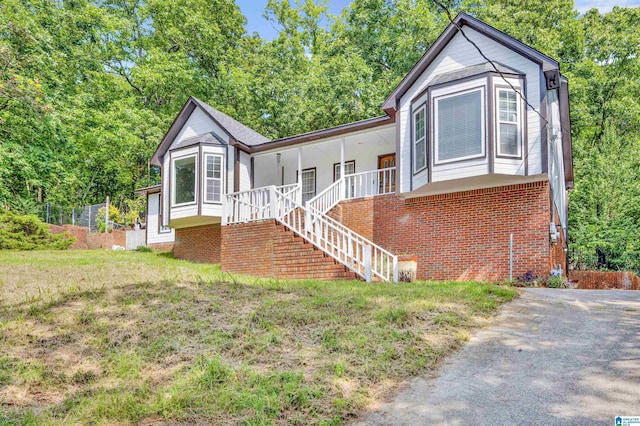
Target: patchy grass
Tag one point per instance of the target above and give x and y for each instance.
(111, 337)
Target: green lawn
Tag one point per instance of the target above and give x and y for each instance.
(115, 337)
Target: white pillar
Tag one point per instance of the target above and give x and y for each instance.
(300, 173)
(342, 158)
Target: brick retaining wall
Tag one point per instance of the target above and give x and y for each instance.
(595, 280)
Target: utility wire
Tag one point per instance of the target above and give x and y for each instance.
(546, 122)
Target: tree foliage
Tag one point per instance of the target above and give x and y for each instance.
(88, 88)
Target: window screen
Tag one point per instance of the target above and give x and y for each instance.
(349, 167)
(308, 185)
(184, 170)
(460, 126)
(420, 139)
(213, 179)
(507, 123)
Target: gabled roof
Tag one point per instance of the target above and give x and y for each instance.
(236, 130)
(240, 135)
(461, 20)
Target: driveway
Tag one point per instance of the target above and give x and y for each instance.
(551, 357)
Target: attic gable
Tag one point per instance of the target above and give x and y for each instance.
(443, 40)
(197, 118)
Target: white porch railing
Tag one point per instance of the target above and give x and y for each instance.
(357, 253)
(357, 185)
(373, 182)
(255, 204)
(346, 246)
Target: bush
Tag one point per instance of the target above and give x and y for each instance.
(557, 282)
(29, 233)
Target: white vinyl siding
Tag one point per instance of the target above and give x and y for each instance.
(508, 123)
(213, 179)
(155, 232)
(184, 177)
(420, 139)
(458, 54)
(459, 129)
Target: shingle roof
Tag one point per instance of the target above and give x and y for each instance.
(208, 138)
(237, 130)
(471, 71)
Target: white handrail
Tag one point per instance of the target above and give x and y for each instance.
(371, 183)
(353, 250)
(329, 198)
(284, 204)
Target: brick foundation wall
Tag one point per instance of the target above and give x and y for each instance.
(199, 244)
(161, 246)
(358, 217)
(593, 280)
(267, 249)
(463, 235)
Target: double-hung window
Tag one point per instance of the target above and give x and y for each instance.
(420, 138)
(213, 178)
(508, 123)
(459, 129)
(184, 180)
(349, 169)
(308, 184)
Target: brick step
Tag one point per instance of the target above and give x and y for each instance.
(301, 260)
(310, 267)
(321, 276)
(296, 249)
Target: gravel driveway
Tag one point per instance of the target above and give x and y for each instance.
(551, 357)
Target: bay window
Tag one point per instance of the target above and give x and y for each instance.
(459, 126)
(184, 173)
(213, 178)
(508, 123)
(420, 139)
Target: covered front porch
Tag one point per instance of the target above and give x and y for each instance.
(321, 163)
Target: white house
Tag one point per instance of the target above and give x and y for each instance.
(468, 153)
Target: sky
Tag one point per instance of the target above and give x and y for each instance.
(253, 10)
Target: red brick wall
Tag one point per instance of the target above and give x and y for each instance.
(74, 231)
(358, 217)
(161, 246)
(247, 248)
(591, 280)
(198, 244)
(266, 249)
(463, 235)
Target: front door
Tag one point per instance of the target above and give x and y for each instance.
(387, 178)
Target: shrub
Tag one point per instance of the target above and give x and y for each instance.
(557, 282)
(528, 279)
(29, 233)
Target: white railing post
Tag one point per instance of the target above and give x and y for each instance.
(223, 198)
(367, 263)
(395, 269)
(272, 202)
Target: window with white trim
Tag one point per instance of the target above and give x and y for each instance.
(213, 178)
(459, 130)
(420, 139)
(349, 169)
(508, 123)
(184, 180)
(308, 184)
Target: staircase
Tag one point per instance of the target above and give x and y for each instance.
(322, 243)
(293, 258)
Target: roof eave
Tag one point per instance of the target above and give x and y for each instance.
(547, 63)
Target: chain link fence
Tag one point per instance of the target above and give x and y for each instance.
(80, 216)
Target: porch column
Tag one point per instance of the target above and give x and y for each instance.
(300, 175)
(342, 158)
